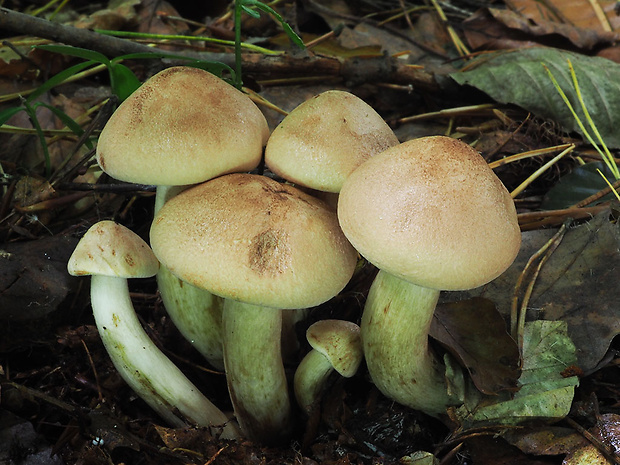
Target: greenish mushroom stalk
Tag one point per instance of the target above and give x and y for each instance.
(111, 253)
(195, 312)
(264, 247)
(395, 326)
(432, 216)
(254, 370)
(336, 347)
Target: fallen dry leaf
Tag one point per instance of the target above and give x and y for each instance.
(578, 285)
(500, 28)
(579, 13)
(475, 333)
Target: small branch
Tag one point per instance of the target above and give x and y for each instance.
(353, 71)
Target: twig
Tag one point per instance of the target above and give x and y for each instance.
(354, 70)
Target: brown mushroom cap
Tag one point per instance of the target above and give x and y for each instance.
(432, 212)
(324, 139)
(182, 126)
(340, 342)
(110, 249)
(249, 238)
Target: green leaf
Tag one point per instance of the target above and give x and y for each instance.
(519, 78)
(76, 52)
(7, 113)
(267, 9)
(122, 80)
(545, 393)
(249, 11)
(580, 183)
(58, 79)
(66, 119)
(31, 110)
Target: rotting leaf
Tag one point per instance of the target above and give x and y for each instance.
(545, 393)
(578, 284)
(519, 78)
(607, 431)
(475, 333)
(545, 440)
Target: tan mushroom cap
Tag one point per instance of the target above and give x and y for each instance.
(249, 238)
(432, 212)
(111, 249)
(182, 126)
(319, 143)
(340, 342)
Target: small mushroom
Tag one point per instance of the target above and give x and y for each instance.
(264, 247)
(111, 253)
(184, 126)
(432, 216)
(321, 142)
(336, 346)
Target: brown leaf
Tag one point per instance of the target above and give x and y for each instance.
(516, 26)
(475, 332)
(579, 13)
(578, 284)
(545, 440)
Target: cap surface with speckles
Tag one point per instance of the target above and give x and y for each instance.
(325, 138)
(432, 212)
(249, 238)
(182, 126)
(111, 249)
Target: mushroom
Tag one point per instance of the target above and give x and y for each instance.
(184, 126)
(431, 215)
(320, 142)
(111, 253)
(336, 346)
(264, 247)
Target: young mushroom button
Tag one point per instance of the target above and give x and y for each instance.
(431, 215)
(336, 346)
(111, 253)
(264, 247)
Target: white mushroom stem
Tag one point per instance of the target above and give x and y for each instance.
(144, 367)
(395, 324)
(255, 372)
(195, 312)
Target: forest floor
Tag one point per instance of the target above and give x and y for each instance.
(482, 72)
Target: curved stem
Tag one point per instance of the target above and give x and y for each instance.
(144, 367)
(310, 378)
(254, 370)
(394, 327)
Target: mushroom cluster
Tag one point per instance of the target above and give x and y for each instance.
(235, 252)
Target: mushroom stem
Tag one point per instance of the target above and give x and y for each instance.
(195, 312)
(310, 379)
(144, 367)
(395, 324)
(255, 372)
